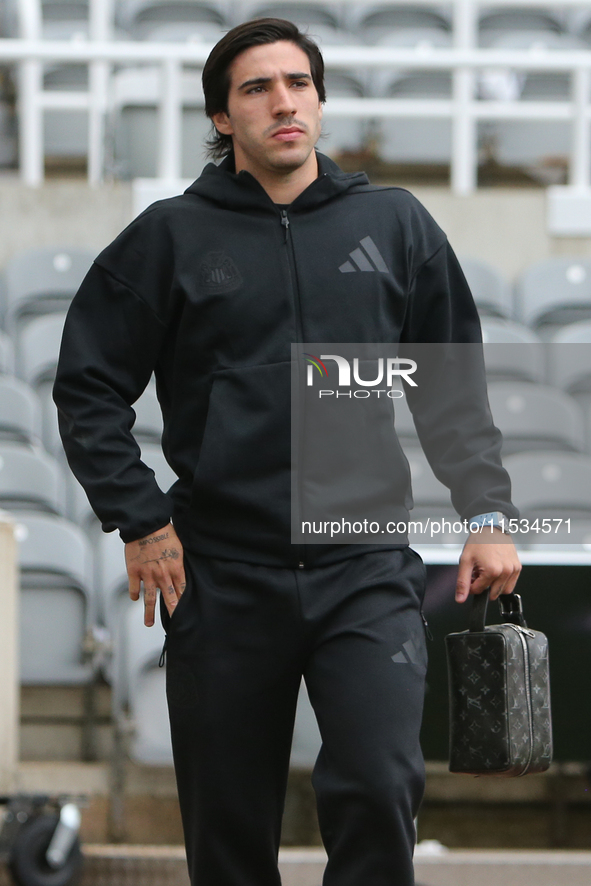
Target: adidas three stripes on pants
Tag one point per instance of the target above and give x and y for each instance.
(238, 644)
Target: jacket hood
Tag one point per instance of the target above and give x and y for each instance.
(242, 190)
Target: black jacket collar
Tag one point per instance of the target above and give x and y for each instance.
(242, 190)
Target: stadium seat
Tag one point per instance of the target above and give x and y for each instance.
(139, 686)
(307, 15)
(30, 480)
(532, 416)
(134, 103)
(512, 351)
(6, 354)
(550, 484)
(56, 602)
(555, 291)
(20, 412)
(408, 140)
(147, 427)
(38, 346)
(569, 357)
(110, 577)
(43, 280)
(489, 288)
(372, 20)
(65, 19)
(140, 18)
(342, 133)
(494, 23)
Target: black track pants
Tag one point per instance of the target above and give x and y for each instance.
(238, 643)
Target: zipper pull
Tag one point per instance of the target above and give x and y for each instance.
(427, 628)
(520, 630)
(285, 222)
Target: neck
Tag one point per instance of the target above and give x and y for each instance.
(282, 186)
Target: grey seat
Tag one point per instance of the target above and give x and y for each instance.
(6, 354)
(555, 291)
(372, 20)
(20, 412)
(38, 346)
(512, 351)
(342, 133)
(40, 281)
(140, 17)
(407, 139)
(133, 114)
(569, 358)
(307, 15)
(490, 289)
(495, 23)
(147, 427)
(30, 480)
(56, 602)
(139, 686)
(532, 416)
(551, 484)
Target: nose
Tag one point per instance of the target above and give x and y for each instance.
(283, 101)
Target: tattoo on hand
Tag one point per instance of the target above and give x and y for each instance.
(169, 554)
(153, 539)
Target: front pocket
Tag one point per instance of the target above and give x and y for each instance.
(241, 486)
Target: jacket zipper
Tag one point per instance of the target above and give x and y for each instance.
(288, 242)
(522, 632)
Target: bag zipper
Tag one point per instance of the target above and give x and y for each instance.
(530, 714)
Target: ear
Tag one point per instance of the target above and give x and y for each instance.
(221, 121)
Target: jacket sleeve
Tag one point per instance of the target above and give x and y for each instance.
(450, 403)
(110, 344)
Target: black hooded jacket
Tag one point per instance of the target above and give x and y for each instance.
(208, 290)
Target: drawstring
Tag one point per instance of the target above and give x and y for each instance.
(162, 659)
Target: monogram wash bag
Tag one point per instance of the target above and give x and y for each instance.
(499, 694)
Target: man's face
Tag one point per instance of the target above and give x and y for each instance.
(273, 109)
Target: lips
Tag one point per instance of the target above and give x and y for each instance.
(288, 134)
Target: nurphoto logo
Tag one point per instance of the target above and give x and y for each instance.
(386, 371)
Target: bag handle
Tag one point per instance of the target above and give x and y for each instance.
(510, 606)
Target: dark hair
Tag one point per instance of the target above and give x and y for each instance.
(216, 77)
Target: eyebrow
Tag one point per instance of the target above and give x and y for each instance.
(260, 81)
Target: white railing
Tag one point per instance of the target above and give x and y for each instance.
(464, 60)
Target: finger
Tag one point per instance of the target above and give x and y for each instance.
(512, 580)
(463, 580)
(169, 595)
(150, 594)
(497, 588)
(134, 586)
(179, 581)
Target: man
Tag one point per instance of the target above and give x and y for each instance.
(209, 290)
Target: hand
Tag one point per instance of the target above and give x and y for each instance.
(157, 561)
(492, 563)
